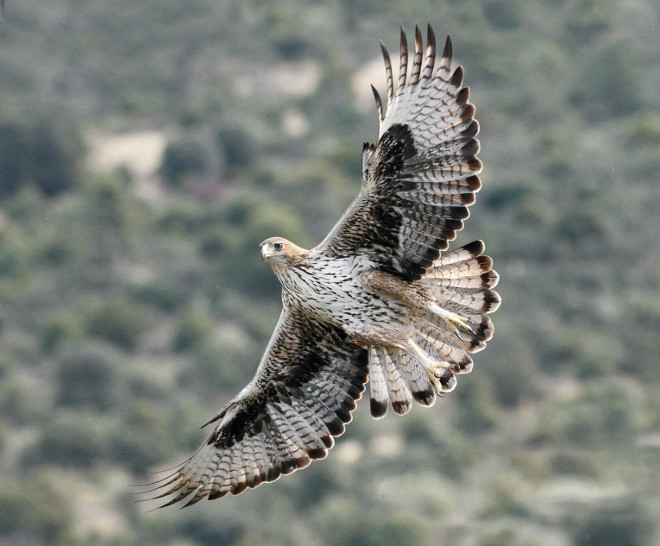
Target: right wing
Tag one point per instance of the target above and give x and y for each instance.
(301, 396)
(421, 176)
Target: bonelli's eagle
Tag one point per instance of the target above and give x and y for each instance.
(374, 300)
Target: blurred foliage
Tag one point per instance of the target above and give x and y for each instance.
(33, 516)
(184, 157)
(621, 521)
(193, 327)
(118, 321)
(134, 302)
(44, 152)
(88, 379)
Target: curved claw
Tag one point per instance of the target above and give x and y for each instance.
(436, 371)
(456, 322)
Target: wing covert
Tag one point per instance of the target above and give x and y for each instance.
(301, 396)
(421, 176)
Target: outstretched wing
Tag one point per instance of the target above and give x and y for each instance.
(301, 396)
(418, 180)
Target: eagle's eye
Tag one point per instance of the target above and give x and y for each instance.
(278, 246)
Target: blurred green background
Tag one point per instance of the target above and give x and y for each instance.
(146, 148)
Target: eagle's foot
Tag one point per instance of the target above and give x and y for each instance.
(456, 322)
(436, 371)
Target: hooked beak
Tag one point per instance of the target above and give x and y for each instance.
(266, 252)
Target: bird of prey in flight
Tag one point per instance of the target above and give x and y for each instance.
(378, 300)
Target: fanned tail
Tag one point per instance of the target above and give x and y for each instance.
(454, 325)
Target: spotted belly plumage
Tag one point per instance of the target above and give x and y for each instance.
(336, 291)
(418, 333)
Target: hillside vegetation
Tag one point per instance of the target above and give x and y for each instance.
(146, 148)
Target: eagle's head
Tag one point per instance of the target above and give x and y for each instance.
(278, 252)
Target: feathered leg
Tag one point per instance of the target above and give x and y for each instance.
(450, 304)
(455, 323)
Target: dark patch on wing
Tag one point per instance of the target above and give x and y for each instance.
(312, 355)
(421, 175)
(395, 147)
(403, 234)
(302, 395)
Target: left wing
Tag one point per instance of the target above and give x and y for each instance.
(419, 179)
(301, 396)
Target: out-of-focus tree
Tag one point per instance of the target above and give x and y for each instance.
(45, 152)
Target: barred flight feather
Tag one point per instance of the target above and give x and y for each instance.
(296, 425)
(400, 395)
(377, 385)
(421, 159)
(417, 379)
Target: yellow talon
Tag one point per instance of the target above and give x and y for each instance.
(455, 321)
(436, 371)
